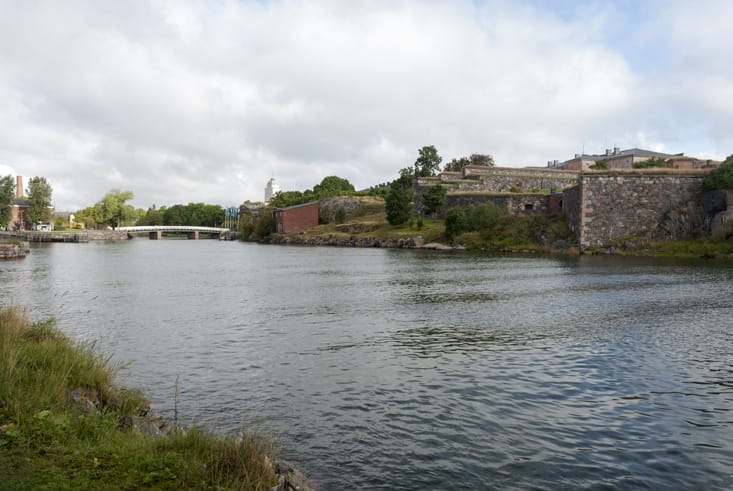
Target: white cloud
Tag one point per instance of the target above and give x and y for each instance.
(205, 101)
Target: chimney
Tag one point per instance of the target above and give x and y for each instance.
(19, 187)
(608, 152)
(616, 150)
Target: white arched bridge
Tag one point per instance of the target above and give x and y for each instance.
(155, 232)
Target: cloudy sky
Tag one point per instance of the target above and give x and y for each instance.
(206, 100)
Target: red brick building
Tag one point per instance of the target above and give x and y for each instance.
(295, 218)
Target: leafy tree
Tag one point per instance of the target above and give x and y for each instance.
(428, 162)
(152, 216)
(398, 202)
(476, 159)
(113, 211)
(332, 186)
(456, 223)
(434, 199)
(264, 224)
(284, 199)
(7, 194)
(722, 177)
(39, 194)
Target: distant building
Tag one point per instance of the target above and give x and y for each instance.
(271, 190)
(295, 218)
(613, 158)
(19, 208)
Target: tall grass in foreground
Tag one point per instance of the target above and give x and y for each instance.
(60, 425)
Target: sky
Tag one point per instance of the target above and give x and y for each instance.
(205, 101)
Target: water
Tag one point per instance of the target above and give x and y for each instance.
(383, 369)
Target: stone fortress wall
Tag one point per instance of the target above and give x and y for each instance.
(601, 207)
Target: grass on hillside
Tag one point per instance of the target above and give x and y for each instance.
(60, 415)
(529, 233)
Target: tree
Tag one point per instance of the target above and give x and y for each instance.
(722, 177)
(39, 194)
(434, 199)
(476, 159)
(112, 210)
(332, 186)
(398, 202)
(428, 162)
(7, 193)
(284, 199)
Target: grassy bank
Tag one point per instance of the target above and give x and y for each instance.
(64, 424)
(521, 233)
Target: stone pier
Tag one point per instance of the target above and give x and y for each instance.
(193, 235)
(156, 235)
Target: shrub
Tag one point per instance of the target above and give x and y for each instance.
(722, 177)
(340, 216)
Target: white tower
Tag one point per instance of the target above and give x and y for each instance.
(271, 189)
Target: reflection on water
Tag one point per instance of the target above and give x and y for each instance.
(419, 370)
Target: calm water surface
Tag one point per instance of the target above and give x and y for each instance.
(383, 369)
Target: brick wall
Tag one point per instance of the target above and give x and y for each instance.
(296, 218)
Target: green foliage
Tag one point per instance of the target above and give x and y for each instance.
(722, 177)
(194, 214)
(112, 209)
(456, 223)
(340, 216)
(153, 216)
(398, 202)
(7, 195)
(652, 162)
(283, 199)
(476, 159)
(599, 165)
(434, 199)
(265, 224)
(476, 218)
(39, 195)
(332, 186)
(514, 189)
(50, 439)
(428, 162)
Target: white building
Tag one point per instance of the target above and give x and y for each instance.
(271, 189)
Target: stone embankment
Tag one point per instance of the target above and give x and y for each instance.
(416, 242)
(14, 250)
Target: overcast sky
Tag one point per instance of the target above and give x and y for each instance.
(206, 100)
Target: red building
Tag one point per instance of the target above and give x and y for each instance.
(295, 218)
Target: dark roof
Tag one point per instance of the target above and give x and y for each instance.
(21, 202)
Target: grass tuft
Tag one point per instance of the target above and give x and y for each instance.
(60, 425)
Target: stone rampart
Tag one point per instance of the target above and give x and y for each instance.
(511, 203)
(643, 206)
(503, 180)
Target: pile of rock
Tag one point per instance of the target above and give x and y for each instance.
(14, 250)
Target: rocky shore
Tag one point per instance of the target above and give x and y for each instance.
(416, 242)
(14, 250)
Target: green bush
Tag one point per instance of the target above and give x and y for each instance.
(476, 218)
(340, 216)
(722, 177)
(651, 163)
